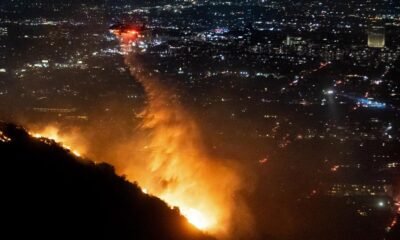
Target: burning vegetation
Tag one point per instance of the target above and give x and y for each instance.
(168, 158)
(49, 192)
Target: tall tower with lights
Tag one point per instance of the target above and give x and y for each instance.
(376, 37)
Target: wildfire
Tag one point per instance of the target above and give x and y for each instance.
(168, 159)
(52, 133)
(177, 173)
(173, 163)
(197, 218)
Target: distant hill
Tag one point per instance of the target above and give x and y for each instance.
(47, 193)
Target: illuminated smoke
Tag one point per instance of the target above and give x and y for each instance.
(173, 163)
(167, 158)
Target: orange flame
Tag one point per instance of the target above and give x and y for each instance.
(170, 161)
(66, 141)
(178, 170)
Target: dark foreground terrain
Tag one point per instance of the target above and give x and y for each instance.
(47, 193)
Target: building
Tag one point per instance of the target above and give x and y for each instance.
(351, 190)
(376, 37)
(294, 41)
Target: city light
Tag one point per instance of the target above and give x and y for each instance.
(253, 119)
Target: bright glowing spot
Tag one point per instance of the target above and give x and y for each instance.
(76, 153)
(4, 138)
(335, 168)
(329, 92)
(381, 204)
(36, 135)
(263, 161)
(133, 32)
(144, 190)
(196, 218)
(366, 102)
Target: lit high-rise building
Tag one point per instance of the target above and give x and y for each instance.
(376, 37)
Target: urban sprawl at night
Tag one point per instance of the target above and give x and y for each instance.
(284, 114)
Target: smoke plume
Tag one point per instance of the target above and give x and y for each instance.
(174, 164)
(167, 157)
